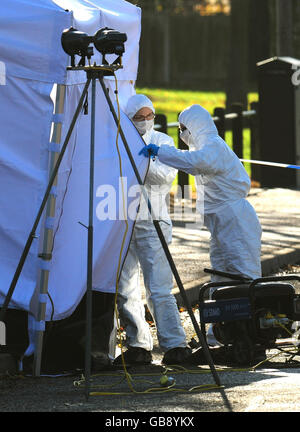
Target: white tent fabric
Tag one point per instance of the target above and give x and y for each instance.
(30, 39)
(34, 61)
(25, 121)
(30, 36)
(68, 266)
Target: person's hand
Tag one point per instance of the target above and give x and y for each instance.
(149, 150)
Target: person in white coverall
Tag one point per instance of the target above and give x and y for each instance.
(235, 243)
(146, 249)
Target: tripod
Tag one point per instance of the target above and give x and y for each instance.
(94, 73)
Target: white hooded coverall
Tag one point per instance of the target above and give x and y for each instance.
(235, 243)
(146, 249)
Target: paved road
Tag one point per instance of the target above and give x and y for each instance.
(263, 390)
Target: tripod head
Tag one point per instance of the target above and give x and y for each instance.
(98, 71)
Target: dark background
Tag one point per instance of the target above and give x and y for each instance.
(214, 45)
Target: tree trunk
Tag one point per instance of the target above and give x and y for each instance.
(237, 81)
(284, 28)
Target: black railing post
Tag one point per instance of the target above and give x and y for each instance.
(161, 120)
(183, 178)
(237, 130)
(255, 144)
(220, 123)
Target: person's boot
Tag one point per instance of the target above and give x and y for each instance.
(177, 355)
(134, 356)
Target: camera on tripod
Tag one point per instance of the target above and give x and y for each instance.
(106, 41)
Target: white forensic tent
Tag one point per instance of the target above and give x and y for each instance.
(30, 49)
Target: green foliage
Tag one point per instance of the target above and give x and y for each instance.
(174, 6)
(203, 7)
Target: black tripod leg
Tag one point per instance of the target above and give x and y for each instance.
(165, 246)
(90, 250)
(32, 234)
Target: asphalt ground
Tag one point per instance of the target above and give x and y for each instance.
(121, 398)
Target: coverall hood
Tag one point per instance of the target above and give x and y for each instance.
(136, 102)
(199, 122)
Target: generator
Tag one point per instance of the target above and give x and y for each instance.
(249, 316)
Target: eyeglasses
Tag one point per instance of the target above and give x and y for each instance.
(150, 116)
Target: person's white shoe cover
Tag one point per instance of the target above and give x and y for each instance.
(146, 249)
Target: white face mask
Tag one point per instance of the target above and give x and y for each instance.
(186, 137)
(144, 126)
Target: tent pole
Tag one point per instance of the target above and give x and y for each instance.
(47, 247)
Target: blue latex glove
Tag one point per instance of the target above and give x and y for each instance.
(150, 149)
